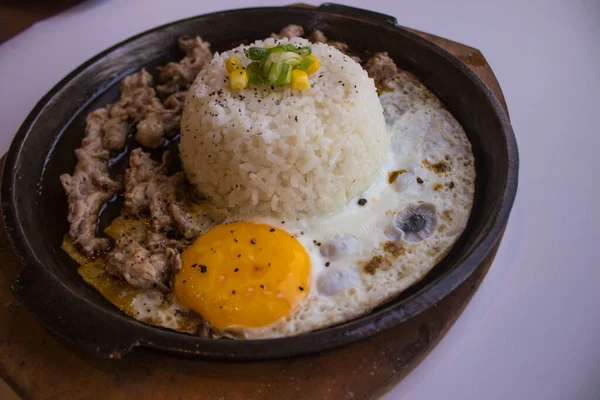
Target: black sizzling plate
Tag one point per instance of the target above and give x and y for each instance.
(35, 207)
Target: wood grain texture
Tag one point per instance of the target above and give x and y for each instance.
(38, 366)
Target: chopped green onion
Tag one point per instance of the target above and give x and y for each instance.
(276, 49)
(274, 72)
(269, 60)
(305, 51)
(253, 70)
(256, 53)
(285, 75)
(291, 58)
(287, 57)
(305, 64)
(289, 47)
(265, 66)
(274, 65)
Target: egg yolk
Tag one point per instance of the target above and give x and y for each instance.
(243, 274)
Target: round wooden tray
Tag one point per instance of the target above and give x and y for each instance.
(38, 366)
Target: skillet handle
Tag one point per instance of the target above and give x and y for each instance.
(67, 316)
(354, 12)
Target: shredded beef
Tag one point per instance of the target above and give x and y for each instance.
(141, 182)
(161, 122)
(89, 187)
(290, 31)
(191, 215)
(160, 203)
(139, 266)
(381, 67)
(180, 75)
(317, 37)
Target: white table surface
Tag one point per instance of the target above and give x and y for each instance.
(532, 331)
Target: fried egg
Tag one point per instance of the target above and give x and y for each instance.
(244, 274)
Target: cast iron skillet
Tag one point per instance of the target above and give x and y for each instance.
(35, 207)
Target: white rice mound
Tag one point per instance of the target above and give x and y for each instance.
(282, 151)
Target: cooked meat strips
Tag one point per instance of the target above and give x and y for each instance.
(106, 129)
(140, 106)
(178, 76)
(169, 200)
(116, 127)
(149, 191)
(160, 203)
(381, 68)
(150, 131)
(154, 120)
(192, 216)
(140, 267)
(141, 182)
(173, 106)
(317, 36)
(289, 32)
(191, 224)
(160, 122)
(157, 241)
(138, 98)
(89, 187)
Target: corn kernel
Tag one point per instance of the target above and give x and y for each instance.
(314, 67)
(299, 79)
(238, 79)
(233, 63)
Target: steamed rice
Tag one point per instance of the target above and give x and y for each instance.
(281, 151)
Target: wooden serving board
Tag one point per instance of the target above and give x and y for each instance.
(38, 366)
